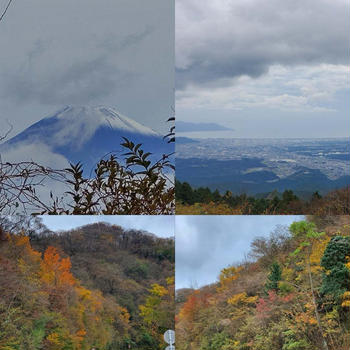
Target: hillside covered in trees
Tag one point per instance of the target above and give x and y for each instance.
(293, 294)
(199, 201)
(95, 287)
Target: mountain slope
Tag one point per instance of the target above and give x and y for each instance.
(85, 134)
(269, 303)
(120, 263)
(95, 287)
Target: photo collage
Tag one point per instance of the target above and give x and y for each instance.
(175, 174)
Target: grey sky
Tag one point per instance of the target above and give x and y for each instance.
(162, 226)
(118, 53)
(207, 244)
(265, 68)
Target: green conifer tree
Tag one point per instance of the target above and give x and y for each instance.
(274, 277)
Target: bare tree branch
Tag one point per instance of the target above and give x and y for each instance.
(3, 137)
(6, 8)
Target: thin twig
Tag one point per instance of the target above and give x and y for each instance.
(6, 8)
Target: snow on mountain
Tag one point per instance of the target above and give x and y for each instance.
(86, 134)
(76, 125)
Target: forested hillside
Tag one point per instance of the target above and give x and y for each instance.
(294, 294)
(199, 201)
(98, 286)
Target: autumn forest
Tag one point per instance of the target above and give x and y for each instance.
(95, 287)
(293, 293)
(102, 286)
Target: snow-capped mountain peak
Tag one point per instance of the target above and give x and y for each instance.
(99, 116)
(76, 125)
(85, 134)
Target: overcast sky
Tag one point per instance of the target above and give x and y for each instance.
(118, 53)
(162, 226)
(266, 68)
(207, 244)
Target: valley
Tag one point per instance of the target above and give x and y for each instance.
(255, 166)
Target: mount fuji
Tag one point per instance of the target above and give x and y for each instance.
(86, 134)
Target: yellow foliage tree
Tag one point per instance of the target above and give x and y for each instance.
(242, 298)
(227, 276)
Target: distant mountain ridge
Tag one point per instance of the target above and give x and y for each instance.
(183, 140)
(85, 134)
(182, 126)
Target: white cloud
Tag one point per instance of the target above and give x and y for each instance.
(302, 88)
(36, 152)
